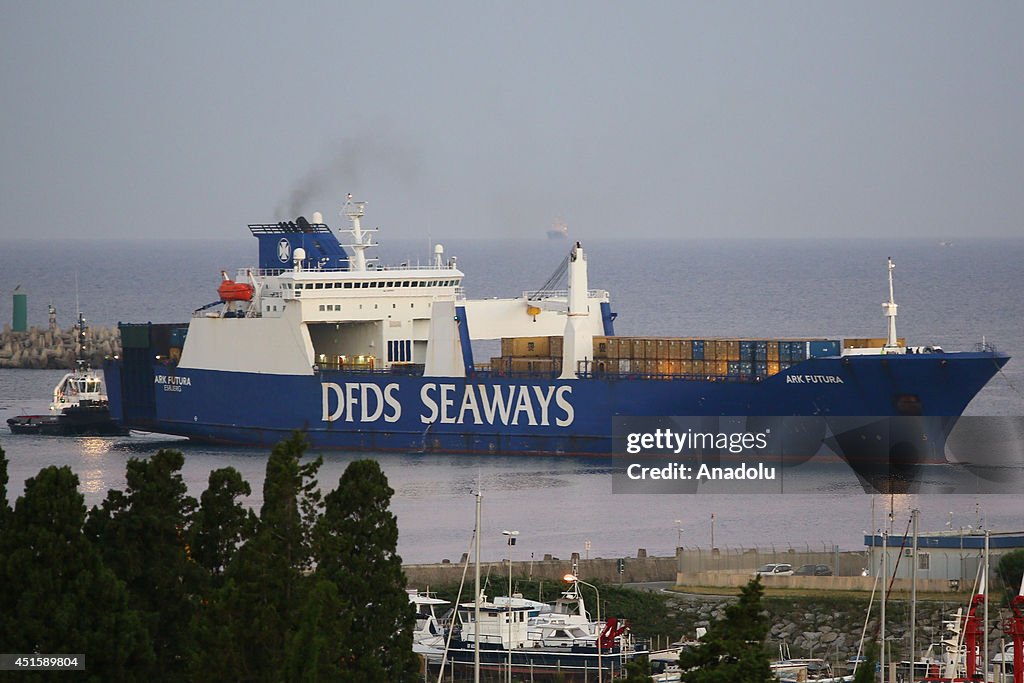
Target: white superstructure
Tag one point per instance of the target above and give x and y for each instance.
(373, 317)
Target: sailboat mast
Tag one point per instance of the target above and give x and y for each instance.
(476, 600)
(984, 629)
(913, 594)
(885, 594)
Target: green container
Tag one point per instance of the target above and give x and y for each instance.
(134, 336)
(20, 323)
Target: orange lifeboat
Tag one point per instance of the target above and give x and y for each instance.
(230, 290)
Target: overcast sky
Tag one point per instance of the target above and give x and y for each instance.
(789, 119)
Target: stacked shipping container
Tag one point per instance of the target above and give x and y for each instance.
(667, 357)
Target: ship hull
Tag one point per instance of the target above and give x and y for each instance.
(72, 421)
(367, 411)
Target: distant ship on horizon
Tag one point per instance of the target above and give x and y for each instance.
(558, 231)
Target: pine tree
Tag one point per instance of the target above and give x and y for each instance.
(222, 523)
(316, 651)
(248, 624)
(142, 535)
(355, 543)
(732, 651)
(5, 507)
(57, 596)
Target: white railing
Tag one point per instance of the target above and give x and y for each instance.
(563, 294)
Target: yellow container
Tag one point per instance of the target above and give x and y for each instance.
(531, 347)
(555, 344)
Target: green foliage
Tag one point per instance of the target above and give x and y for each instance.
(222, 523)
(141, 534)
(732, 651)
(249, 619)
(866, 670)
(355, 544)
(1010, 570)
(637, 671)
(57, 595)
(153, 586)
(4, 506)
(319, 648)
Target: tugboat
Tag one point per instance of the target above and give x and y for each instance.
(79, 406)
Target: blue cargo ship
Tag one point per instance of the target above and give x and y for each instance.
(363, 356)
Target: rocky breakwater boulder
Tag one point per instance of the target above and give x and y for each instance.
(825, 627)
(39, 349)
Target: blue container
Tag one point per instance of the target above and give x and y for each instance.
(698, 349)
(784, 355)
(746, 368)
(761, 351)
(178, 335)
(746, 351)
(797, 351)
(734, 367)
(761, 368)
(821, 349)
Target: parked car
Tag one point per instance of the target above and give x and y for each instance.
(774, 569)
(813, 570)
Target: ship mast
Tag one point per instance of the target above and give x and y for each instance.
(361, 239)
(578, 340)
(890, 312)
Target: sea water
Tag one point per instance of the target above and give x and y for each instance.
(953, 296)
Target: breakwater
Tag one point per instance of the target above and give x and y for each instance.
(640, 568)
(830, 627)
(53, 348)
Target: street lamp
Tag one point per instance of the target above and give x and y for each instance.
(679, 542)
(572, 578)
(510, 537)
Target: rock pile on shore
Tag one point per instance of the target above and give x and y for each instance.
(55, 348)
(829, 628)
